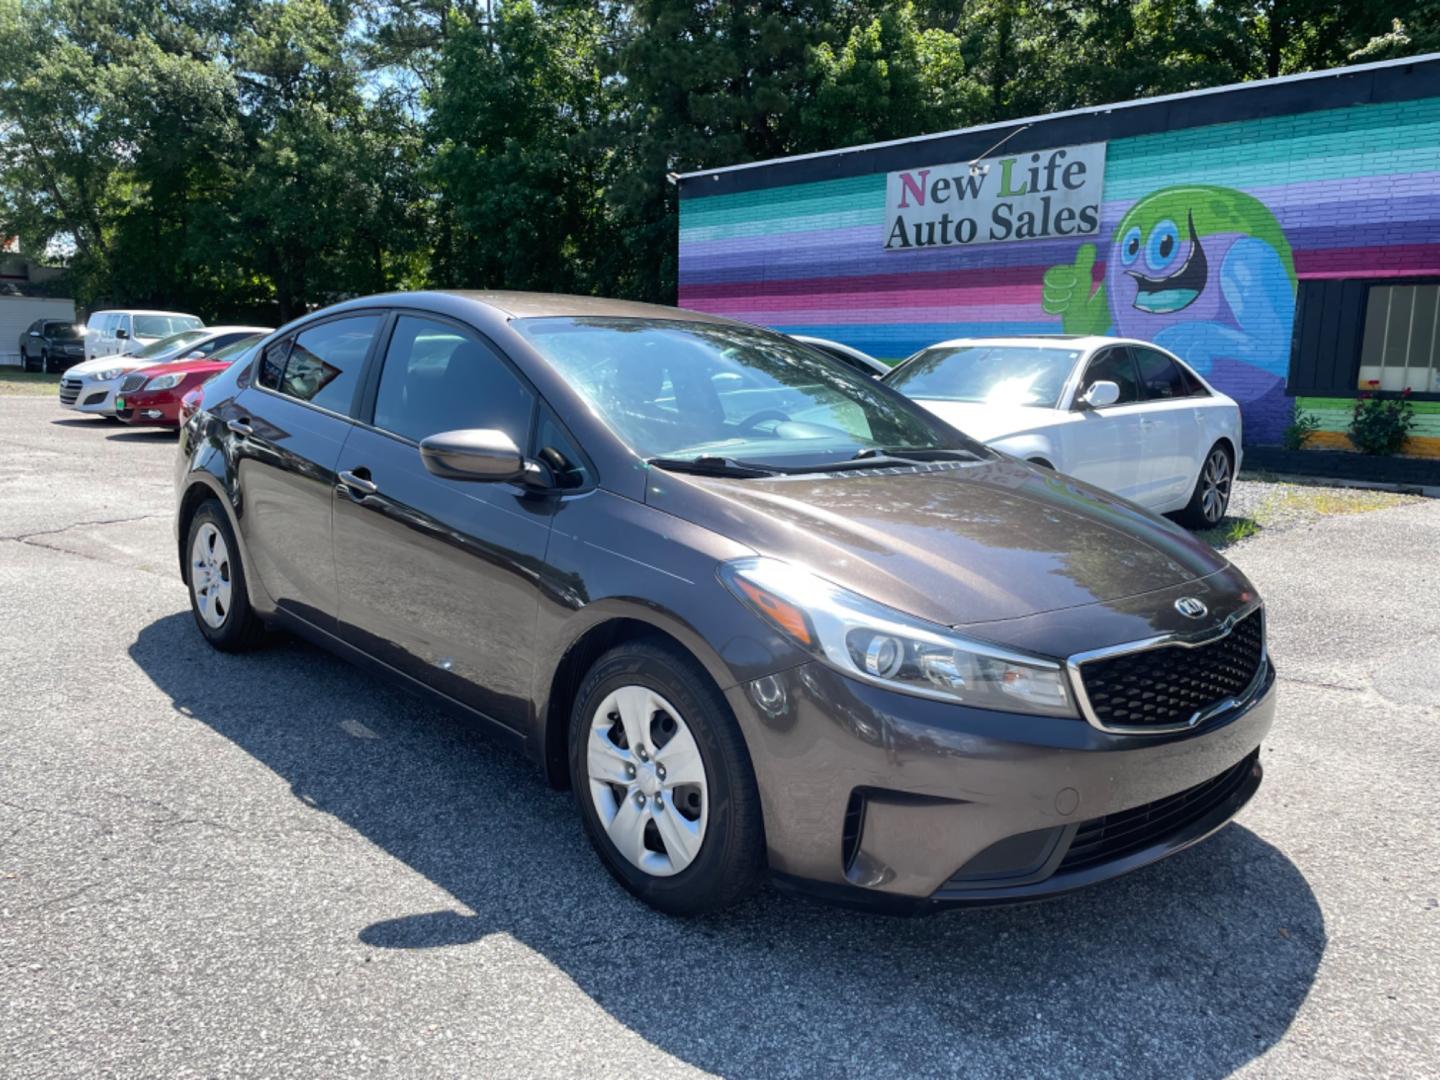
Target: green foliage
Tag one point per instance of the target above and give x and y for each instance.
(1302, 425)
(1381, 425)
(257, 158)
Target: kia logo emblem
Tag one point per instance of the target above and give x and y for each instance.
(1191, 608)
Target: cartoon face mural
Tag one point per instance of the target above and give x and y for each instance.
(1205, 272)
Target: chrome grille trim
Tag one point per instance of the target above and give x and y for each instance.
(1185, 641)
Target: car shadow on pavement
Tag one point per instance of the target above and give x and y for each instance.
(1192, 967)
(144, 435)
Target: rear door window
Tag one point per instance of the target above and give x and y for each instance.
(1114, 365)
(1160, 377)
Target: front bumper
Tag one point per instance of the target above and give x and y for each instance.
(150, 408)
(87, 396)
(878, 799)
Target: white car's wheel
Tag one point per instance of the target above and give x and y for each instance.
(1211, 496)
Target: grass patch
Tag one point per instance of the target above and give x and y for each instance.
(1230, 531)
(1270, 505)
(30, 383)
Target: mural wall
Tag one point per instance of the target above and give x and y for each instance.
(1204, 234)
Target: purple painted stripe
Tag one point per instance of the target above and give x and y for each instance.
(788, 260)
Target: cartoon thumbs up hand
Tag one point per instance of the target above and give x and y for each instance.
(1068, 293)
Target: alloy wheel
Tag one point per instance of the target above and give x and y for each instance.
(647, 780)
(210, 578)
(1215, 486)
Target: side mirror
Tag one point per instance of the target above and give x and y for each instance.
(1101, 393)
(122, 334)
(483, 455)
(34, 333)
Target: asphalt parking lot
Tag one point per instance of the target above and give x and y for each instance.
(277, 865)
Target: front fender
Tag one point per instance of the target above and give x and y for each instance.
(1026, 447)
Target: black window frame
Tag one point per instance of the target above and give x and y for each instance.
(1338, 328)
(370, 391)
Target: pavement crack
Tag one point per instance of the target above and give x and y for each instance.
(25, 538)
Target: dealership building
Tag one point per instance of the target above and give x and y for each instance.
(1282, 236)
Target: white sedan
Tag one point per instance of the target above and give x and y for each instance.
(91, 386)
(1123, 415)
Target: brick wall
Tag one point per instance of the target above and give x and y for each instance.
(1355, 192)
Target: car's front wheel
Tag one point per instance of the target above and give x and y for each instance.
(1211, 496)
(30, 362)
(217, 582)
(663, 780)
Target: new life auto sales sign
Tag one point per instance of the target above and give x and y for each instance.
(1029, 196)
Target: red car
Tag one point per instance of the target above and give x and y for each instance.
(151, 396)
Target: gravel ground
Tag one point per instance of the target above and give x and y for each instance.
(275, 865)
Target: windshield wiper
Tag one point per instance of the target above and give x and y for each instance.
(915, 453)
(711, 465)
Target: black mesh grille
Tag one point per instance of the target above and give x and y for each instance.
(1165, 687)
(1117, 835)
(132, 383)
(69, 391)
(854, 823)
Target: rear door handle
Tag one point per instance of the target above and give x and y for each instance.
(355, 482)
(240, 427)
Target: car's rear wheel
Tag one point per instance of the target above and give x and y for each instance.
(217, 582)
(663, 781)
(1211, 496)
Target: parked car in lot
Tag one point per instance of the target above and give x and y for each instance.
(93, 386)
(862, 362)
(757, 610)
(118, 333)
(51, 345)
(154, 396)
(1123, 415)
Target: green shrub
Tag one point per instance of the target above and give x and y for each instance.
(1302, 426)
(1381, 425)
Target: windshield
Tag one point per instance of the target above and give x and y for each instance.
(992, 374)
(62, 330)
(166, 344)
(235, 349)
(160, 326)
(679, 389)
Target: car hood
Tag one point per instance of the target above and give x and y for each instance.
(185, 367)
(956, 545)
(105, 363)
(987, 422)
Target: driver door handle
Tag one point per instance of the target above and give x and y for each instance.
(240, 427)
(355, 482)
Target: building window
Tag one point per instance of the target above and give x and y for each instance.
(1401, 346)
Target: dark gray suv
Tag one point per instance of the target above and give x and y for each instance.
(758, 610)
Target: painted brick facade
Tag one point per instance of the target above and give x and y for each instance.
(1355, 192)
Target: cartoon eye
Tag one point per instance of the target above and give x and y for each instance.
(1130, 246)
(1163, 245)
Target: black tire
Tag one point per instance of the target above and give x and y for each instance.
(44, 360)
(1217, 472)
(730, 862)
(29, 362)
(240, 629)
(1041, 462)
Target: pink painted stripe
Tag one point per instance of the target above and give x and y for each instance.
(951, 298)
(1390, 260)
(848, 315)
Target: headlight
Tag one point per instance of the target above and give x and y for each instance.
(108, 374)
(163, 382)
(880, 645)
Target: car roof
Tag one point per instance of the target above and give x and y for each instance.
(141, 311)
(1083, 342)
(531, 305)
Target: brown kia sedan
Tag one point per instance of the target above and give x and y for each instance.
(759, 611)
